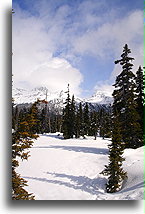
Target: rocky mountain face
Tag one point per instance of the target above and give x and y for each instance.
(23, 97)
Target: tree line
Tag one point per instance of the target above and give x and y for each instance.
(77, 119)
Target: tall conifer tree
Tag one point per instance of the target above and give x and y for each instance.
(94, 124)
(114, 170)
(140, 101)
(105, 122)
(73, 116)
(44, 118)
(67, 123)
(79, 128)
(124, 101)
(86, 118)
(81, 120)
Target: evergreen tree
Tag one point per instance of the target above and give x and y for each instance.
(94, 125)
(53, 121)
(67, 123)
(114, 170)
(81, 120)
(79, 128)
(56, 122)
(73, 115)
(140, 100)
(59, 117)
(77, 124)
(32, 117)
(102, 122)
(44, 118)
(22, 139)
(86, 119)
(105, 123)
(124, 101)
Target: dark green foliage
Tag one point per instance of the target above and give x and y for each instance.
(78, 120)
(73, 115)
(18, 192)
(22, 139)
(114, 170)
(108, 123)
(140, 101)
(86, 119)
(79, 129)
(32, 117)
(127, 123)
(94, 124)
(56, 123)
(44, 118)
(102, 123)
(81, 120)
(125, 101)
(77, 124)
(105, 123)
(67, 122)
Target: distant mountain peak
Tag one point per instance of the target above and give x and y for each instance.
(100, 97)
(22, 96)
(42, 88)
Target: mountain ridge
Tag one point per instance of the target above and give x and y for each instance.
(23, 96)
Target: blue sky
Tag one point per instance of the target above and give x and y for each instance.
(75, 41)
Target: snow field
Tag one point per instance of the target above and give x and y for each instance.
(70, 170)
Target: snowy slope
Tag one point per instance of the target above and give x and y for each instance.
(30, 96)
(100, 97)
(70, 170)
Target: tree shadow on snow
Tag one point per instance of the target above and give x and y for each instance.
(83, 183)
(100, 151)
(139, 185)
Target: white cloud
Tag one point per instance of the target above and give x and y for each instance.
(36, 39)
(105, 87)
(109, 38)
(33, 61)
(55, 74)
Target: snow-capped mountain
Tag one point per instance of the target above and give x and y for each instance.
(100, 97)
(23, 96)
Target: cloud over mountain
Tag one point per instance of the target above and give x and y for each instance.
(60, 34)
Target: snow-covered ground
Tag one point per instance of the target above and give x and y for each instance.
(70, 170)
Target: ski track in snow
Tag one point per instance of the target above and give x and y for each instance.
(70, 170)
